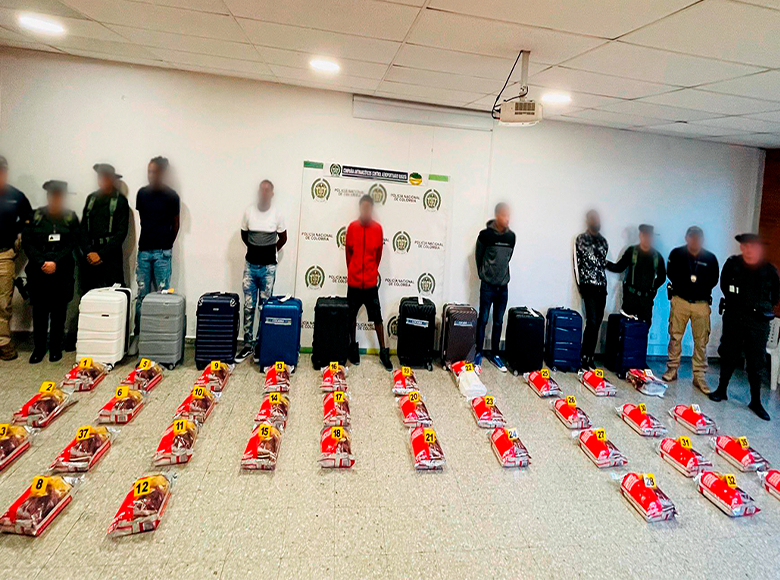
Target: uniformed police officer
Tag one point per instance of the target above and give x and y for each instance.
(104, 225)
(50, 239)
(751, 288)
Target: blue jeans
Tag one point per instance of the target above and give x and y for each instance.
(258, 287)
(153, 270)
(497, 297)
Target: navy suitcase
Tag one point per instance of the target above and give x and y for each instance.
(564, 339)
(416, 332)
(280, 331)
(626, 346)
(332, 334)
(217, 328)
(524, 344)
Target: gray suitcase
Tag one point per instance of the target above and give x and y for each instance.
(163, 326)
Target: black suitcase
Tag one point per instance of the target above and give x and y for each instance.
(332, 334)
(416, 332)
(626, 346)
(458, 333)
(563, 341)
(217, 328)
(524, 344)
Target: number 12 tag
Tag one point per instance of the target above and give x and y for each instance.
(142, 487)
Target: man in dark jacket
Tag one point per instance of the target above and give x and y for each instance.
(751, 288)
(50, 240)
(693, 273)
(590, 262)
(495, 245)
(363, 250)
(646, 274)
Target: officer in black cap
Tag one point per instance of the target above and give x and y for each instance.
(104, 225)
(646, 274)
(751, 290)
(50, 239)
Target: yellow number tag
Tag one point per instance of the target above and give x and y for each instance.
(642, 408)
(198, 392)
(545, 373)
(406, 371)
(275, 398)
(490, 400)
(468, 367)
(339, 396)
(145, 364)
(180, 426)
(85, 432)
(85, 363)
(337, 433)
(599, 373)
(215, 366)
(730, 480)
(695, 408)
(571, 400)
(414, 396)
(650, 480)
(4, 428)
(47, 387)
(142, 487)
(122, 391)
(39, 485)
(264, 431)
(512, 434)
(743, 441)
(334, 367)
(685, 442)
(601, 434)
(429, 436)
(279, 366)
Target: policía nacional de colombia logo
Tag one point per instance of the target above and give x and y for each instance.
(335, 169)
(426, 283)
(402, 241)
(392, 326)
(341, 237)
(431, 200)
(378, 193)
(320, 190)
(314, 278)
(415, 178)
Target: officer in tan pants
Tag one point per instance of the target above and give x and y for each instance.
(693, 273)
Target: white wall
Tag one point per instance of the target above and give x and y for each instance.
(58, 116)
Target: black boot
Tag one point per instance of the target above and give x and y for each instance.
(721, 394)
(756, 406)
(55, 355)
(384, 357)
(37, 356)
(354, 353)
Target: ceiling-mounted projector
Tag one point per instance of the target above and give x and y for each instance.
(518, 110)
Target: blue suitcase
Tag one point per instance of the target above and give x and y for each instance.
(216, 333)
(564, 339)
(626, 346)
(280, 332)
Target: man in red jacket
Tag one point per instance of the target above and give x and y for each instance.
(364, 252)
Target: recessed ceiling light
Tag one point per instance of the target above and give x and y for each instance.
(39, 24)
(556, 98)
(324, 65)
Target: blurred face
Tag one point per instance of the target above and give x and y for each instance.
(3, 178)
(502, 217)
(694, 243)
(55, 202)
(593, 221)
(155, 175)
(645, 240)
(752, 253)
(265, 193)
(366, 211)
(105, 183)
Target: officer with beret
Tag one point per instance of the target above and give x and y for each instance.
(104, 226)
(50, 239)
(751, 290)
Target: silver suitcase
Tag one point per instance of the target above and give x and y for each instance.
(163, 326)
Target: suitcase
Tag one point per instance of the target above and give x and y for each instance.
(163, 326)
(416, 332)
(332, 334)
(104, 324)
(216, 332)
(459, 333)
(280, 331)
(564, 339)
(626, 346)
(524, 344)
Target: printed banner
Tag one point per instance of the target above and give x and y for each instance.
(412, 209)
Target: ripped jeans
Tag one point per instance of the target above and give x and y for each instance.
(258, 282)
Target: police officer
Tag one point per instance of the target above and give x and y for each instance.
(751, 289)
(104, 225)
(646, 274)
(50, 239)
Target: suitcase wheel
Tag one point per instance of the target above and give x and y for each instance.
(515, 373)
(170, 366)
(429, 366)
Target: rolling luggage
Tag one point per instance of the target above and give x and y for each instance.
(217, 328)
(459, 333)
(626, 346)
(104, 324)
(280, 332)
(332, 334)
(524, 344)
(416, 332)
(163, 326)
(564, 339)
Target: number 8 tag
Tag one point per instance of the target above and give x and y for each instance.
(38, 486)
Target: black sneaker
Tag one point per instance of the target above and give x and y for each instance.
(354, 353)
(245, 353)
(384, 358)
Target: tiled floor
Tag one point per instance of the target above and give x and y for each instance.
(561, 518)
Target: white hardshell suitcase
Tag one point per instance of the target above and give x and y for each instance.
(104, 324)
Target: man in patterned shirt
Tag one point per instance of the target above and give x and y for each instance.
(590, 262)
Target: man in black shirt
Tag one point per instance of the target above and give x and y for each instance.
(751, 289)
(158, 207)
(15, 211)
(646, 274)
(693, 273)
(590, 261)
